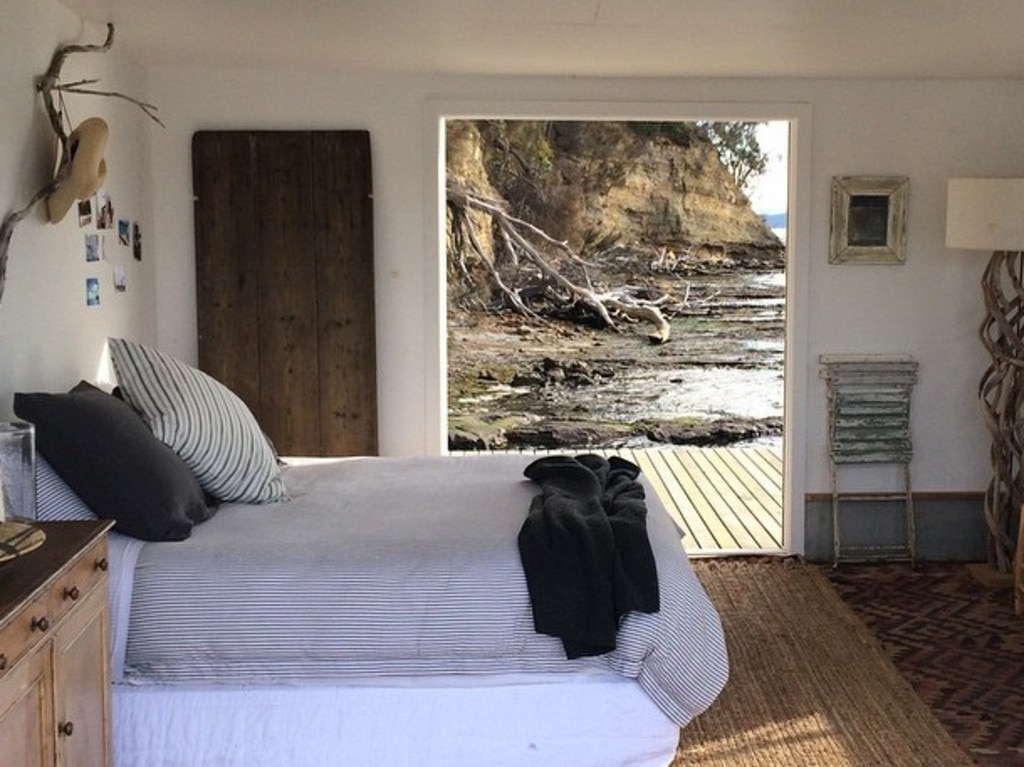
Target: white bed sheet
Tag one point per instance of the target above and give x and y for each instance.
(504, 721)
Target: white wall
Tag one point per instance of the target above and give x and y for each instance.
(49, 338)
(929, 307)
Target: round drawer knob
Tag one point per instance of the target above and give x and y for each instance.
(102, 564)
(71, 593)
(66, 728)
(41, 624)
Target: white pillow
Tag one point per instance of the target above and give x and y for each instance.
(203, 421)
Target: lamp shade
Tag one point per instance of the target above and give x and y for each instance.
(985, 214)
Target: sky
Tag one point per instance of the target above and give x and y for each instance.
(769, 194)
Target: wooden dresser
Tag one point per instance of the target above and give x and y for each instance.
(54, 650)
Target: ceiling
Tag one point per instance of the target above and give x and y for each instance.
(655, 38)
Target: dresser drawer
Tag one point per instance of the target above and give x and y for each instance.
(26, 630)
(80, 578)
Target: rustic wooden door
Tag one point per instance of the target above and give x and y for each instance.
(284, 281)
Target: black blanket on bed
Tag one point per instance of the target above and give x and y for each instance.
(585, 550)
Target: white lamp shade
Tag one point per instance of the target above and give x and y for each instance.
(985, 214)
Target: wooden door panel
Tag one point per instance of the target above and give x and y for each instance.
(226, 233)
(347, 344)
(289, 375)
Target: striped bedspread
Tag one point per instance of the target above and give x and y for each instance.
(395, 567)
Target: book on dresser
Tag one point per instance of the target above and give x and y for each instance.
(54, 649)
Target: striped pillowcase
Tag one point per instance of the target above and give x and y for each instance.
(203, 421)
(55, 501)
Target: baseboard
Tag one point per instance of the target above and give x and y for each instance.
(950, 526)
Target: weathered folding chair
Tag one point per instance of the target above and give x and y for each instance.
(869, 423)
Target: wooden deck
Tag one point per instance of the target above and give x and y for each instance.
(726, 499)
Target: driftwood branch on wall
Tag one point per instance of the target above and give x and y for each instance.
(51, 90)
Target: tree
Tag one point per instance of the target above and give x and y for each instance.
(738, 149)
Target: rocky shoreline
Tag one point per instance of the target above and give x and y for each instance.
(516, 384)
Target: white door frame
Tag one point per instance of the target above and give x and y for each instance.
(796, 363)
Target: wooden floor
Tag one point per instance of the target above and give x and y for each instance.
(726, 499)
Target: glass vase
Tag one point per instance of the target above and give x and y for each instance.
(17, 470)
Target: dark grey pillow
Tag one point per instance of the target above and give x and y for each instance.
(105, 452)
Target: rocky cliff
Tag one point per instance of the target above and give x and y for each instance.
(600, 186)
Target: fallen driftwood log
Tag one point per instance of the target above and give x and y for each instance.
(532, 254)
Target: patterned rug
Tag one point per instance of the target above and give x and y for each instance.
(956, 641)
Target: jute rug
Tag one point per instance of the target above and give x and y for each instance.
(810, 684)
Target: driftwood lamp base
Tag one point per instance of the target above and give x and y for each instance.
(1002, 396)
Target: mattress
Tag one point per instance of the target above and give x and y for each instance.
(500, 721)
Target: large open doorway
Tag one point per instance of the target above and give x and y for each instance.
(718, 473)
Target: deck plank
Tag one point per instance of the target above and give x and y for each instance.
(699, 536)
(754, 466)
(706, 503)
(730, 505)
(763, 494)
(756, 507)
(770, 459)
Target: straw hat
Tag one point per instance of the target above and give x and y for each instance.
(86, 145)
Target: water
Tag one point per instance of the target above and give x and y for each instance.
(707, 393)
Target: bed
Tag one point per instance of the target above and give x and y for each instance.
(376, 611)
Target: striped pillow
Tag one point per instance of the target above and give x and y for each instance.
(203, 421)
(55, 501)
